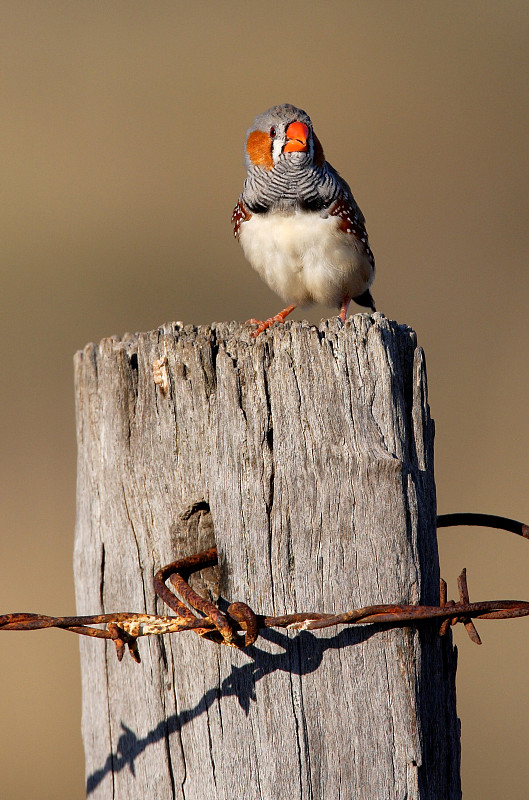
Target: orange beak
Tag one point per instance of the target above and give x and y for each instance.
(297, 134)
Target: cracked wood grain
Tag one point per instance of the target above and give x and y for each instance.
(307, 458)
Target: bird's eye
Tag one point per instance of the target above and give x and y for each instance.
(272, 132)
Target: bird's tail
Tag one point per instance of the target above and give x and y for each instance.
(365, 299)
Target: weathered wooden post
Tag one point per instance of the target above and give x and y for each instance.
(313, 450)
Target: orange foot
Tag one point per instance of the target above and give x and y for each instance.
(345, 306)
(262, 326)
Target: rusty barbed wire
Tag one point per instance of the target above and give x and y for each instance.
(239, 626)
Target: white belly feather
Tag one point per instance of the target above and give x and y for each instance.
(304, 258)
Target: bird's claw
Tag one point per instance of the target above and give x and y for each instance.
(262, 325)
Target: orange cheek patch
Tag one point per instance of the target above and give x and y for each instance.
(259, 149)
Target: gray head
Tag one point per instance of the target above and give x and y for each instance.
(280, 133)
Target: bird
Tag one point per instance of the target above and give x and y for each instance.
(297, 220)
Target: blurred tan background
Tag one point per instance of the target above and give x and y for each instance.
(121, 133)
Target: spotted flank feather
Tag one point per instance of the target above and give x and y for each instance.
(240, 215)
(352, 222)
